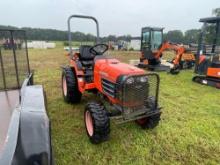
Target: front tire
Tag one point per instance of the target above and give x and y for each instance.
(97, 122)
(71, 93)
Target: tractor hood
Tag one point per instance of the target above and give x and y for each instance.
(112, 68)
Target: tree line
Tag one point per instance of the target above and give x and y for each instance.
(190, 36)
(58, 35)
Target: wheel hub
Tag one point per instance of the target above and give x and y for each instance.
(89, 123)
(64, 86)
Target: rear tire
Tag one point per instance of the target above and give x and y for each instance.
(149, 122)
(97, 122)
(71, 93)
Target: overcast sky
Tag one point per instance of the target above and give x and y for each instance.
(117, 17)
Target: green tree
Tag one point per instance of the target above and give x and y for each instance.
(216, 11)
(175, 36)
(211, 29)
(191, 36)
(112, 38)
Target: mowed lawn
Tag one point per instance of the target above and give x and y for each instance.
(189, 132)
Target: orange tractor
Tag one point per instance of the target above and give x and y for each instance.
(152, 48)
(129, 93)
(208, 54)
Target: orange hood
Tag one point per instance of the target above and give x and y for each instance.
(112, 68)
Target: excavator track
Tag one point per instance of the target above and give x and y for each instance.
(159, 67)
(207, 81)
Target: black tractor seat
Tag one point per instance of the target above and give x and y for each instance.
(87, 61)
(85, 53)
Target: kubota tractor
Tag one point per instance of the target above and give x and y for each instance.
(127, 93)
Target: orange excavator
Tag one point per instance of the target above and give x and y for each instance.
(207, 65)
(152, 48)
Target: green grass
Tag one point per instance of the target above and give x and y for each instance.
(9, 68)
(189, 132)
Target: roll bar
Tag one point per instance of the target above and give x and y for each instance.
(83, 17)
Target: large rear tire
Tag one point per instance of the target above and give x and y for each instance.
(97, 122)
(71, 93)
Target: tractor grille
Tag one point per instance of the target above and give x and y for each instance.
(109, 87)
(138, 98)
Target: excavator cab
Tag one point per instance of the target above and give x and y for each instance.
(151, 40)
(208, 53)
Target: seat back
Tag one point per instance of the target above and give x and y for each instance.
(85, 55)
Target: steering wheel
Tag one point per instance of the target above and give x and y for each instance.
(98, 49)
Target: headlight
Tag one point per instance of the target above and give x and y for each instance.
(130, 80)
(143, 79)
